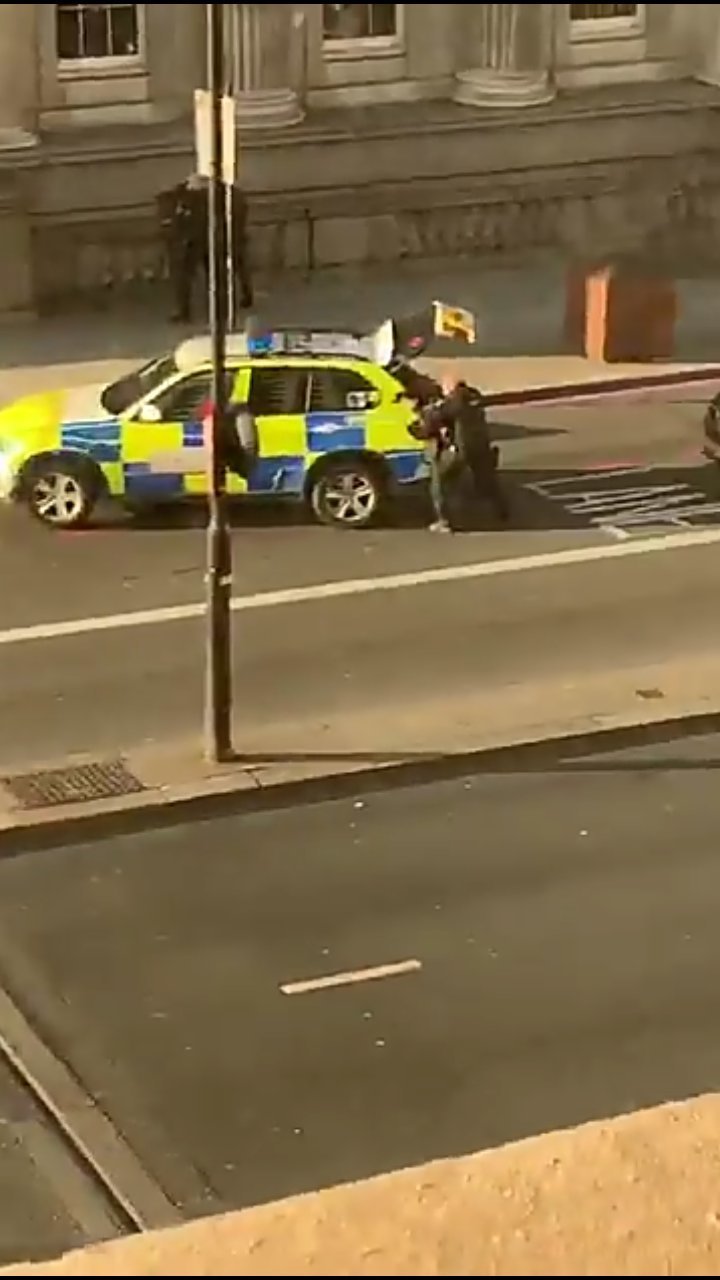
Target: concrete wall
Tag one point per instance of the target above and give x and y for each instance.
(408, 173)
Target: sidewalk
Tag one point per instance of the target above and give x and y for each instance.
(520, 312)
(302, 761)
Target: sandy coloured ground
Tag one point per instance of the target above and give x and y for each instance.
(638, 1196)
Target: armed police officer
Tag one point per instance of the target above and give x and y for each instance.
(184, 216)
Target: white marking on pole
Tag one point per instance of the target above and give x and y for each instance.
(352, 978)
(326, 591)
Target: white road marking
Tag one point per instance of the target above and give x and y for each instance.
(615, 510)
(351, 979)
(325, 591)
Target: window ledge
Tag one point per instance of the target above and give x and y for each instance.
(592, 29)
(605, 75)
(97, 115)
(101, 68)
(354, 50)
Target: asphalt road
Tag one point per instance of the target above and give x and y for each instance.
(557, 928)
(579, 477)
(35, 1222)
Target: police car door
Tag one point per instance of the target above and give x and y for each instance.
(277, 401)
(343, 411)
(164, 454)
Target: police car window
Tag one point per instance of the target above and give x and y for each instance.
(120, 395)
(277, 390)
(339, 390)
(184, 401)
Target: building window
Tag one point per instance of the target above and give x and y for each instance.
(98, 32)
(376, 22)
(591, 12)
(610, 20)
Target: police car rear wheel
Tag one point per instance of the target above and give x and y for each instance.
(348, 495)
(61, 495)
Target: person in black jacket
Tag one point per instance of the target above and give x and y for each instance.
(455, 430)
(463, 411)
(183, 213)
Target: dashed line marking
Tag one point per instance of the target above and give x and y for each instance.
(352, 978)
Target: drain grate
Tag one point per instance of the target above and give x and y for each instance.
(77, 784)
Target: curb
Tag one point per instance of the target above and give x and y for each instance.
(246, 793)
(139, 1202)
(594, 388)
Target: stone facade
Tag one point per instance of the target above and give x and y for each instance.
(368, 133)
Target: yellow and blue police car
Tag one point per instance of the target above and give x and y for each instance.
(331, 409)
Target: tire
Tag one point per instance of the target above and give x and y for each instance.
(348, 494)
(61, 492)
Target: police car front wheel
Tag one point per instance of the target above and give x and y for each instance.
(348, 494)
(61, 494)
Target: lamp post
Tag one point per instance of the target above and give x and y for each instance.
(218, 641)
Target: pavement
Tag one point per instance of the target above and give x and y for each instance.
(315, 995)
(35, 1221)
(520, 309)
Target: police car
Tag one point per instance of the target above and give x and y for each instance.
(331, 410)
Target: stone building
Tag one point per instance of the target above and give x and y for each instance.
(368, 132)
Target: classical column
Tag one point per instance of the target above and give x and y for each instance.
(18, 76)
(269, 61)
(511, 47)
(704, 35)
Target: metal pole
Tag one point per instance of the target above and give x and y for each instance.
(218, 668)
(231, 43)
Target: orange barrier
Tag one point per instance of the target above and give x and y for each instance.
(619, 315)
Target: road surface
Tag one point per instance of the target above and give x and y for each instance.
(35, 1186)
(547, 948)
(580, 478)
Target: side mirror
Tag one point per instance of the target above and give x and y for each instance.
(149, 413)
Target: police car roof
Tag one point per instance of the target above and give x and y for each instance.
(315, 344)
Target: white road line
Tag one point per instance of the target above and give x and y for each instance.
(351, 979)
(324, 591)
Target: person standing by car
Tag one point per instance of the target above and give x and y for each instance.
(239, 435)
(463, 411)
(435, 429)
(458, 445)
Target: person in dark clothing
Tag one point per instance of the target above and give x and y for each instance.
(417, 386)
(463, 411)
(183, 214)
(458, 446)
(182, 233)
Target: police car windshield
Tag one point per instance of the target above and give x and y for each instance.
(119, 396)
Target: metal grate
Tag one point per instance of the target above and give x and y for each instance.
(77, 784)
